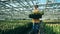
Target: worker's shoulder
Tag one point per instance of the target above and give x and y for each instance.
(35, 10)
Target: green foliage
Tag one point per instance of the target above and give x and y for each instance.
(52, 29)
(24, 26)
(15, 27)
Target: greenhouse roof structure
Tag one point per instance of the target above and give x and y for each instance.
(22, 8)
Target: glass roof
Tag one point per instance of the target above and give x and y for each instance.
(24, 7)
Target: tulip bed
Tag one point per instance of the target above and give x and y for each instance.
(24, 26)
(52, 28)
(15, 27)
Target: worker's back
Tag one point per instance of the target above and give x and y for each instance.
(35, 20)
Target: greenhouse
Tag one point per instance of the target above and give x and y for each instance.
(14, 16)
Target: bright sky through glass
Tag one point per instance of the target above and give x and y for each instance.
(44, 1)
(37, 1)
(58, 0)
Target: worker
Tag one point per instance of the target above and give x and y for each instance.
(36, 15)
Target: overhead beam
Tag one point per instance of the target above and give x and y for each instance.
(28, 3)
(32, 2)
(20, 3)
(3, 5)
